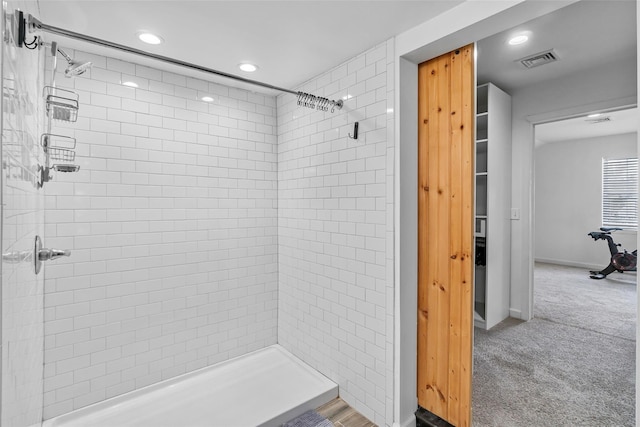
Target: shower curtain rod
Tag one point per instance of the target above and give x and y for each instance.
(304, 99)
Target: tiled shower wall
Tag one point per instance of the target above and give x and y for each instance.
(172, 225)
(22, 220)
(335, 231)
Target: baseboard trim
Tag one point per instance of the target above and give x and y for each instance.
(515, 313)
(409, 422)
(573, 263)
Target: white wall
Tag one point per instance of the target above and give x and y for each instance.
(606, 86)
(335, 231)
(172, 225)
(568, 199)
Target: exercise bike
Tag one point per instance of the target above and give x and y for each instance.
(620, 261)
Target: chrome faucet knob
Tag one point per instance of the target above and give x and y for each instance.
(49, 254)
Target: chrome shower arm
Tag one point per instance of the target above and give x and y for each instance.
(67, 57)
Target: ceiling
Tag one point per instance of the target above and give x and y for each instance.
(583, 35)
(290, 41)
(294, 41)
(608, 123)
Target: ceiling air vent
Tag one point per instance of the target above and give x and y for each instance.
(539, 58)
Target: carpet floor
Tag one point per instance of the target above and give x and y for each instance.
(572, 365)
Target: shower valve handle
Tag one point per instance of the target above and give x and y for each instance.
(49, 254)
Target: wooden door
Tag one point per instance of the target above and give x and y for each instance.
(445, 234)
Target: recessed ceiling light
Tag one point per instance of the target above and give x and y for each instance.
(591, 116)
(130, 84)
(347, 97)
(518, 39)
(249, 68)
(149, 38)
(207, 99)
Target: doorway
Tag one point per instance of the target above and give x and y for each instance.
(579, 347)
(556, 94)
(429, 41)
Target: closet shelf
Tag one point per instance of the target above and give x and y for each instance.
(492, 229)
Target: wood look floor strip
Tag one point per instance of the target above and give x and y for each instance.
(343, 415)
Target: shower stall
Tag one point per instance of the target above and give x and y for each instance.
(195, 231)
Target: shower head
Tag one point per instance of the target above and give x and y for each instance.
(75, 68)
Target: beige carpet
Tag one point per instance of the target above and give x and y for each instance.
(572, 365)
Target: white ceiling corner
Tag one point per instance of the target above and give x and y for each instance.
(291, 41)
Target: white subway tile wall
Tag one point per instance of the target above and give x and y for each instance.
(335, 231)
(172, 225)
(22, 219)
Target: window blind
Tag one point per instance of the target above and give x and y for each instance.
(620, 193)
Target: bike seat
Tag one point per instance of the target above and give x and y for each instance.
(598, 234)
(610, 229)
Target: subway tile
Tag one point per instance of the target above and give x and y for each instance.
(197, 84)
(189, 171)
(313, 153)
(176, 102)
(118, 115)
(90, 85)
(161, 87)
(186, 93)
(120, 66)
(103, 100)
(174, 79)
(145, 96)
(103, 75)
(175, 124)
(148, 73)
(100, 125)
(135, 105)
(134, 130)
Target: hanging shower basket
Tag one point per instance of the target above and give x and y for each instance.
(61, 150)
(62, 155)
(62, 104)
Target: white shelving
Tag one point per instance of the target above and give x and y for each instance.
(493, 203)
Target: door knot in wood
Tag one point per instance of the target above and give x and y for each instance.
(435, 389)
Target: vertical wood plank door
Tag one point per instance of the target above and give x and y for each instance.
(446, 188)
